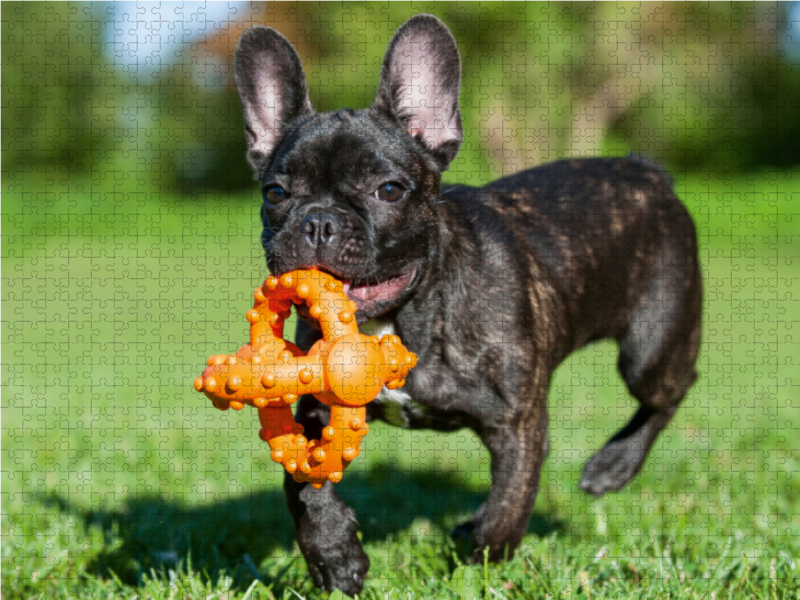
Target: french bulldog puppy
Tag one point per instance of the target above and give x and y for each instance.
(491, 287)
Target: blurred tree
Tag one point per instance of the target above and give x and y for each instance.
(697, 85)
(717, 90)
(692, 84)
(197, 123)
(58, 106)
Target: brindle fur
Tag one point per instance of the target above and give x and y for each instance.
(612, 254)
(511, 279)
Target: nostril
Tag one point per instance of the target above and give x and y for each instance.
(309, 228)
(318, 230)
(328, 230)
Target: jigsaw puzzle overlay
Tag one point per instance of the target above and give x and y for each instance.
(131, 249)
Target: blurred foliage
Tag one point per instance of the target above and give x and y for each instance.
(57, 93)
(698, 86)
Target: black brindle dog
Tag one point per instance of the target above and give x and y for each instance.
(491, 287)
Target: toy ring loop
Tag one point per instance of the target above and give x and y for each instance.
(345, 370)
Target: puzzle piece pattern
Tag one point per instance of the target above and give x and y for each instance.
(115, 263)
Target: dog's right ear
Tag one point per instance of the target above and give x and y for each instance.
(272, 87)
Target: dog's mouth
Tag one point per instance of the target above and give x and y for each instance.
(382, 291)
(370, 295)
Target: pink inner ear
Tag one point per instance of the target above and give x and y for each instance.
(263, 116)
(428, 105)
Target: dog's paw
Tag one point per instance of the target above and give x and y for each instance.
(333, 552)
(612, 467)
(473, 548)
(338, 567)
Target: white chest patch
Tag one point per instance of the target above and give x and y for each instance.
(392, 401)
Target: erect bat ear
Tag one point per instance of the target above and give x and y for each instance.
(272, 87)
(420, 84)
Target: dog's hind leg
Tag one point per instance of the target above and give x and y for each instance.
(518, 447)
(657, 356)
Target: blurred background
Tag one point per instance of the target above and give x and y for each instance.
(147, 87)
(130, 249)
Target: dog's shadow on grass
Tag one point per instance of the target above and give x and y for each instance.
(234, 536)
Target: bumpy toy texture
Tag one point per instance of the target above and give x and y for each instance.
(345, 370)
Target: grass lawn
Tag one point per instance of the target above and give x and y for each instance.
(120, 481)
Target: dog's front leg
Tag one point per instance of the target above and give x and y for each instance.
(518, 447)
(326, 527)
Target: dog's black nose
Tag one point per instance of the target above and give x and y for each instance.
(318, 230)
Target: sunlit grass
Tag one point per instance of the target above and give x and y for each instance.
(120, 481)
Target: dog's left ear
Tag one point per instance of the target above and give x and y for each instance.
(420, 84)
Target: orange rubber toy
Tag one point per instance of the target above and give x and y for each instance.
(345, 370)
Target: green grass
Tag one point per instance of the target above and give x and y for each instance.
(119, 481)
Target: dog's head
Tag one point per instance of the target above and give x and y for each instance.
(353, 192)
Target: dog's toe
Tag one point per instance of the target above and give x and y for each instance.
(335, 569)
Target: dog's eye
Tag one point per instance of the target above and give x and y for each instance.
(390, 192)
(275, 194)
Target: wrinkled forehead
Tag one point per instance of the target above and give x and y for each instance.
(339, 145)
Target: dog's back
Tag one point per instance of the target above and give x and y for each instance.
(609, 231)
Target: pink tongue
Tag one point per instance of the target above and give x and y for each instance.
(385, 290)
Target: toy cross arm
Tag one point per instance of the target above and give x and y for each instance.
(345, 370)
